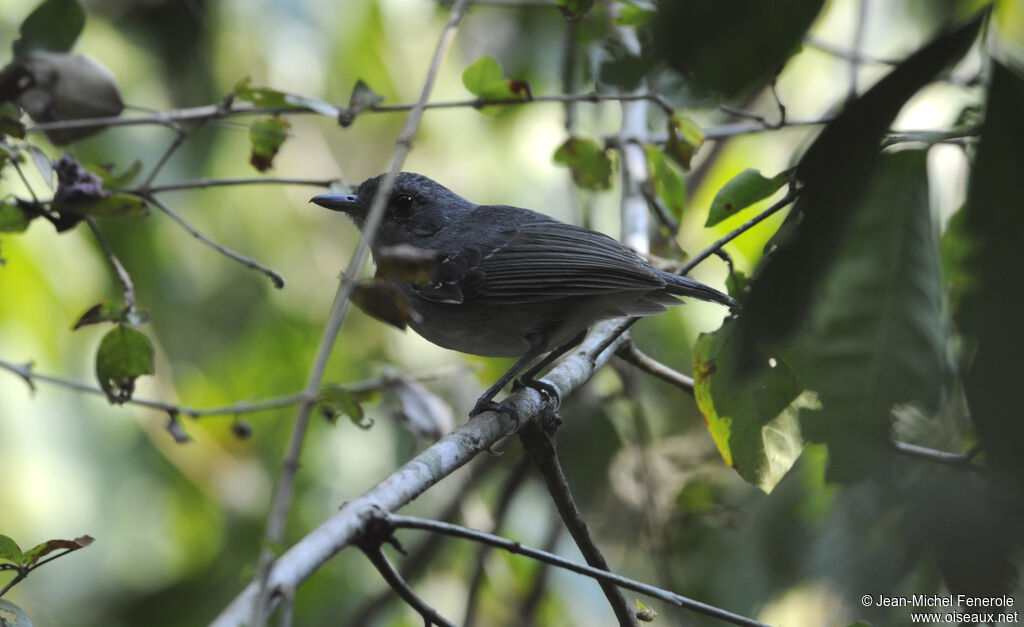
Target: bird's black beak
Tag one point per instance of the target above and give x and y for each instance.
(347, 203)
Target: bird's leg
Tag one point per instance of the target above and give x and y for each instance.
(528, 378)
(486, 401)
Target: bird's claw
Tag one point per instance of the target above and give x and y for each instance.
(485, 404)
(546, 390)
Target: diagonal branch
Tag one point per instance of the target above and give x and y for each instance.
(281, 502)
(412, 479)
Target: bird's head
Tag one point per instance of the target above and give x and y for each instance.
(417, 208)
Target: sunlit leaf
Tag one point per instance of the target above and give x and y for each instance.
(742, 191)
(13, 219)
(274, 99)
(124, 355)
(591, 165)
(9, 550)
(668, 184)
(266, 137)
(751, 417)
(684, 139)
(54, 25)
(485, 79)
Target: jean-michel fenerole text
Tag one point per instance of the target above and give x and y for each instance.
(950, 600)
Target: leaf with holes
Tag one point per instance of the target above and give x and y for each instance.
(752, 417)
(335, 400)
(485, 80)
(591, 165)
(266, 137)
(124, 355)
(742, 191)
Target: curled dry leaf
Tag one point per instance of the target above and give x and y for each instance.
(418, 409)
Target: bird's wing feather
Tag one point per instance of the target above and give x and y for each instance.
(538, 261)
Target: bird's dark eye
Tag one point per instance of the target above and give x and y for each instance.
(401, 203)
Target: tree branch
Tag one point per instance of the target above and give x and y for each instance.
(122, 275)
(416, 476)
(281, 501)
(410, 522)
(275, 278)
(205, 183)
(629, 353)
(393, 579)
(957, 460)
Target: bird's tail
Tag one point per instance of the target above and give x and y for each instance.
(684, 286)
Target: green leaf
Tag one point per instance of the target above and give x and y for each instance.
(362, 98)
(9, 550)
(684, 139)
(13, 219)
(41, 550)
(992, 305)
(274, 99)
(12, 615)
(574, 9)
(115, 181)
(124, 355)
(10, 121)
(117, 205)
(266, 136)
(726, 47)
(106, 311)
(54, 25)
(668, 184)
(834, 171)
(877, 336)
(591, 166)
(335, 400)
(751, 417)
(485, 80)
(745, 189)
(634, 16)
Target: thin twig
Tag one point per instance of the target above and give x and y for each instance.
(179, 138)
(541, 449)
(628, 352)
(122, 274)
(858, 43)
(411, 522)
(281, 503)
(790, 196)
(540, 576)
(204, 183)
(420, 556)
(249, 262)
(513, 482)
(243, 407)
(393, 579)
(847, 55)
(956, 460)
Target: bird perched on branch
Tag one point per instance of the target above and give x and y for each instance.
(505, 281)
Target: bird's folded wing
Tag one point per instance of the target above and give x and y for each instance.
(541, 261)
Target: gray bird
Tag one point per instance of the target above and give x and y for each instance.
(510, 282)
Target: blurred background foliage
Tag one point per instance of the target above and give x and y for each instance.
(178, 527)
